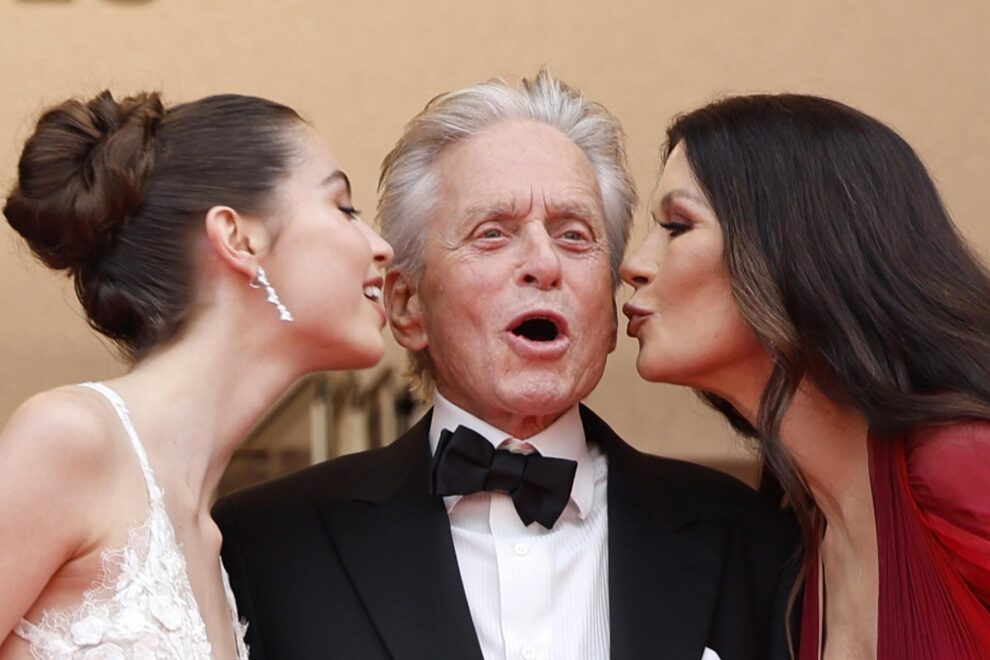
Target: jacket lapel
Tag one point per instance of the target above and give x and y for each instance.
(394, 541)
(665, 562)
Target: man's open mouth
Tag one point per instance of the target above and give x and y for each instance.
(538, 328)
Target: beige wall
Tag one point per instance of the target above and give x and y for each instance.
(359, 70)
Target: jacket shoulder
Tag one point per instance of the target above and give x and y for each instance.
(674, 484)
(371, 475)
(678, 491)
(353, 476)
(711, 492)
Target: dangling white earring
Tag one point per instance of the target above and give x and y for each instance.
(261, 282)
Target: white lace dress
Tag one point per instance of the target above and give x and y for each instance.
(143, 607)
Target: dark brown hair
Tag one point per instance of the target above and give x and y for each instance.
(845, 264)
(115, 194)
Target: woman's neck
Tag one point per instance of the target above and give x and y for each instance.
(194, 400)
(828, 443)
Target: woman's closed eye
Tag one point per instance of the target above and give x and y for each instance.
(675, 227)
(350, 212)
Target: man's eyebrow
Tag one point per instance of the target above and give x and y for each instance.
(572, 209)
(495, 209)
(337, 175)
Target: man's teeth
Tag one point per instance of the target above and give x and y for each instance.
(373, 293)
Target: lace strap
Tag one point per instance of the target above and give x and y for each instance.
(124, 416)
(33, 634)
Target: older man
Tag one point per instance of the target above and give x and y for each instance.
(510, 522)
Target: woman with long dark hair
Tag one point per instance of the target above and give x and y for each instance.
(804, 277)
(215, 243)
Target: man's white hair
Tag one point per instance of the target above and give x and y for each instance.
(408, 187)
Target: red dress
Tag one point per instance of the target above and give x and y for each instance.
(931, 496)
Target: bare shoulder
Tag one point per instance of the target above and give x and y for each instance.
(58, 458)
(65, 433)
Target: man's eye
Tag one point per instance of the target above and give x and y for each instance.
(574, 235)
(492, 233)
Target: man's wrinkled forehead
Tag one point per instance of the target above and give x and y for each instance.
(502, 205)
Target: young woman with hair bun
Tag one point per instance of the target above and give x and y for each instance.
(216, 244)
(805, 278)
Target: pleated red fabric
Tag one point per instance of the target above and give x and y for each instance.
(931, 495)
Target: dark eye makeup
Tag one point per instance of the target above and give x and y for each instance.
(350, 211)
(675, 228)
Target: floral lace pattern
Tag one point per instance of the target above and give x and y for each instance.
(143, 606)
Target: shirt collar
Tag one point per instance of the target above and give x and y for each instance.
(562, 439)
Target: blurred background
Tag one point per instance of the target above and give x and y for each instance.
(359, 70)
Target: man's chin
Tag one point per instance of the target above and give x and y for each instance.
(539, 395)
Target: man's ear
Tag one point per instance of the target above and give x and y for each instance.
(235, 239)
(405, 311)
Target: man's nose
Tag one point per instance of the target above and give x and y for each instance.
(540, 265)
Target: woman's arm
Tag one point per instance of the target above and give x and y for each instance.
(53, 463)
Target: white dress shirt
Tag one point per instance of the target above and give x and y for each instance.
(534, 594)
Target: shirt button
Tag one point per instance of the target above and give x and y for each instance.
(528, 653)
(522, 550)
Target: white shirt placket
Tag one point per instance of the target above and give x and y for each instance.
(525, 574)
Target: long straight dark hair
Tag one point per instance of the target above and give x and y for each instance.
(847, 267)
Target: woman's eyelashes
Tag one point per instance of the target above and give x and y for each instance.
(350, 212)
(674, 218)
(675, 227)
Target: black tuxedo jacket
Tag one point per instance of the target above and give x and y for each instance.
(354, 559)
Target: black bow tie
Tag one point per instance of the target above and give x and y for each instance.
(466, 463)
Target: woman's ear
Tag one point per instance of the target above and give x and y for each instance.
(237, 240)
(405, 312)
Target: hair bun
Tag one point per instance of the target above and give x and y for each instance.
(82, 175)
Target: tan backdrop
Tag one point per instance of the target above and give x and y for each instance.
(359, 70)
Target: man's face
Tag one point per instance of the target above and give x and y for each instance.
(516, 296)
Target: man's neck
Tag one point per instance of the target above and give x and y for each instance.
(515, 425)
